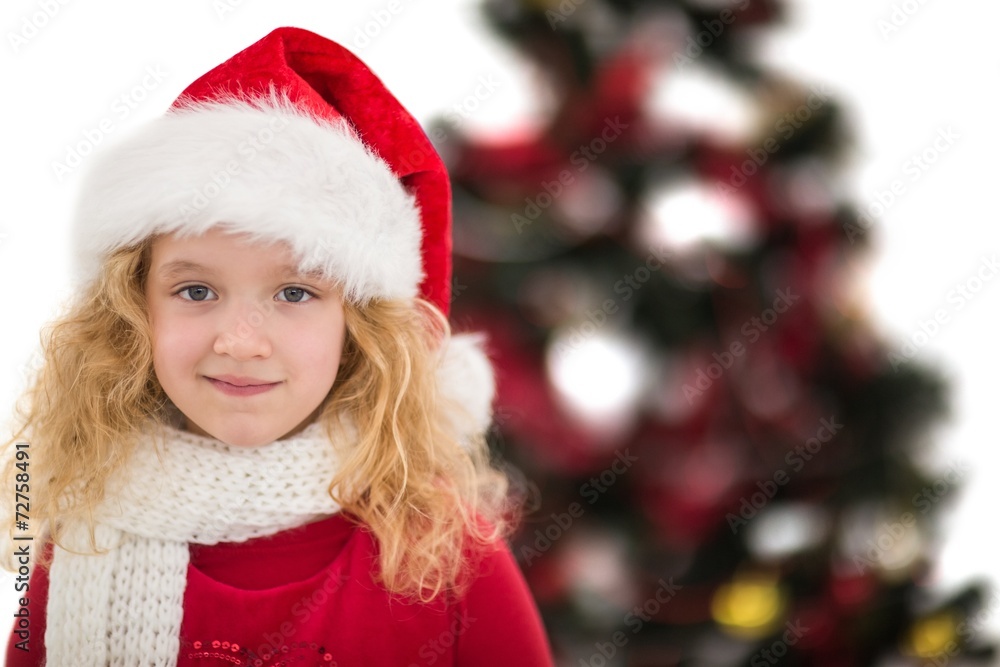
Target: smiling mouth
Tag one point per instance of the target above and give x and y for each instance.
(240, 382)
(241, 389)
(263, 384)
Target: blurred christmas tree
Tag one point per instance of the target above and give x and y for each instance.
(723, 452)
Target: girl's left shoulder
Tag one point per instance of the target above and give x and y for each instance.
(497, 621)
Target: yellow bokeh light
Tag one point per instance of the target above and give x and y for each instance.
(751, 606)
(933, 636)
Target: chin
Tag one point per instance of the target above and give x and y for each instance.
(243, 442)
(242, 436)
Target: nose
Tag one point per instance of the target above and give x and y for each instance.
(244, 335)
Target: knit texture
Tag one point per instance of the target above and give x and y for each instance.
(124, 608)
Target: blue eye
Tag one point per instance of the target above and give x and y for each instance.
(191, 290)
(295, 294)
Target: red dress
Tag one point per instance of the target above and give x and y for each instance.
(305, 597)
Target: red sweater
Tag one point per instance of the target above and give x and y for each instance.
(306, 597)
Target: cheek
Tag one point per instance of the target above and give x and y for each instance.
(316, 353)
(316, 349)
(173, 345)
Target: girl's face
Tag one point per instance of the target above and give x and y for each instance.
(243, 344)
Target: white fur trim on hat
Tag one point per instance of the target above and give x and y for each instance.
(262, 167)
(465, 378)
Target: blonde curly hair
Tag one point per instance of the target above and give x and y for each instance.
(431, 496)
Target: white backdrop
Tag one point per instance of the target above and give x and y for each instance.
(908, 70)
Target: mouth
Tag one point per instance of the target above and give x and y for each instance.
(241, 386)
(238, 381)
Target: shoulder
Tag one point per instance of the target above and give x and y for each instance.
(497, 619)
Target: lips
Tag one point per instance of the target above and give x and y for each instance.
(241, 381)
(227, 384)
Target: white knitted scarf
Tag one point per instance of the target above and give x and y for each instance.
(124, 608)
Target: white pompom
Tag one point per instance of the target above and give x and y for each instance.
(465, 378)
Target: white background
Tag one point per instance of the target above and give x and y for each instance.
(902, 87)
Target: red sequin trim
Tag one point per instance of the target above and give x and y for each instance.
(296, 654)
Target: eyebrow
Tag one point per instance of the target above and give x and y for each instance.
(177, 267)
(181, 266)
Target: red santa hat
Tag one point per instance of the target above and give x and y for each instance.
(293, 139)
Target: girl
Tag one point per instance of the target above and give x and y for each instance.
(253, 440)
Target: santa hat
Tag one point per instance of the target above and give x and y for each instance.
(293, 139)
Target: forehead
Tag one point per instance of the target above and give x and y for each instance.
(217, 250)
